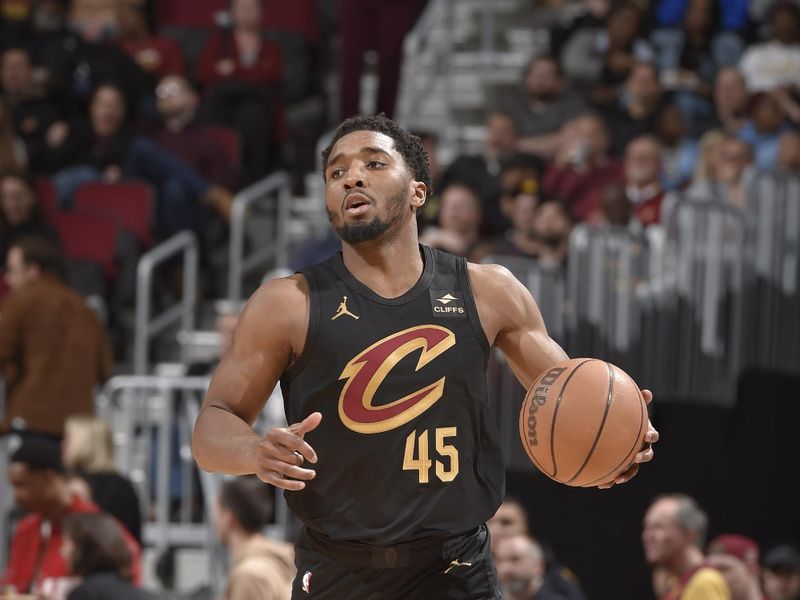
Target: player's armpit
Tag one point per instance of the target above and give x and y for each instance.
(272, 328)
(512, 321)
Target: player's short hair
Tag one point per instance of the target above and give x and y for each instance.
(250, 500)
(407, 145)
(39, 454)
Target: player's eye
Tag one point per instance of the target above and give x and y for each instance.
(336, 173)
(373, 164)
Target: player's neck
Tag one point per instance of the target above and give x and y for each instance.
(389, 266)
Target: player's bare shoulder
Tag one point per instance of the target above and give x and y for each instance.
(499, 296)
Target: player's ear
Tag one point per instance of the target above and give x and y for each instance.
(420, 193)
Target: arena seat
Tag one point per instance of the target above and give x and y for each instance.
(132, 202)
(47, 198)
(90, 236)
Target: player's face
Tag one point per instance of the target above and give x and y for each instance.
(662, 537)
(368, 188)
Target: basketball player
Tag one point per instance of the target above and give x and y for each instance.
(381, 352)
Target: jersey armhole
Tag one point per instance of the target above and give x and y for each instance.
(472, 308)
(313, 328)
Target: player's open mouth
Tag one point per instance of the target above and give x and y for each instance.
(356, 204)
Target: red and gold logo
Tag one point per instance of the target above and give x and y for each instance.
(366, 372)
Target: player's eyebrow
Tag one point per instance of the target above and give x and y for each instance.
(364, 150)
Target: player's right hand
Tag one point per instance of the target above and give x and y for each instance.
(281, 452)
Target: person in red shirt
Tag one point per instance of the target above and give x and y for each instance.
(240, 72)
(36, 563)
(157, 55)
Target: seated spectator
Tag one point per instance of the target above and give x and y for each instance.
(516, 169)
(543, 108)
(731, 100)
(96, 551)
(552, 225)
(643, 179)
(183, 136)
(679, 152)
(708, 157)
(53, 350)
(781, 573)
(582, 167)
(727, 182)
(776, 62)
(26, 106)
(579, 43)
(639, 107)
(36, 563)
(459, 223)
(88, 454)
(13, 155)
(625, 46)
(789, 151)
(95, 19)
(617, 209)
(261, 567)
(157, 55)
(20, 212)
(520, 563)
(689, 57)
(673, 537)
(519, 240)
(763, 129)
(509, 520)
(742, 547)
(106, 148)
(742, 584)
(240, 72)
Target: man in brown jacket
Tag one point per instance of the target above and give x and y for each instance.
(53, 350)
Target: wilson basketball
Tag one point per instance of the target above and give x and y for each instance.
(583, 421)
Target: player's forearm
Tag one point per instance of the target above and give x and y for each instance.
(224, 443)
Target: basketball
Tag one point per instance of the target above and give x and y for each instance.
(583, 421)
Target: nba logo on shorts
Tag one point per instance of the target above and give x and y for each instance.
(307, 582)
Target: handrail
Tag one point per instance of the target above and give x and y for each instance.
(147, 325)
(241, 264)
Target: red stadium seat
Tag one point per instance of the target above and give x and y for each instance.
(133, 203)
(47, 198)
(89, 236)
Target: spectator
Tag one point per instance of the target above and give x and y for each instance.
(582, 167)
(263, 569)
(544, 108)
(625, 45)
(88, 453)
(781, 573)
(240, 72)
(460, 218)
(20, 212)
(789, 150)
(95, 19)
(552, 224)
(520, 564)
(736, 557)
(673, 535)
(52, 348)
(617, 209)
(184, 137)
(728, 181)
(509, 520)
(639, 108)
(372, 24)
(25, 106)
(580, 42)
(519, 240)
(96, 551)
(105, 147)
(776, 62)
(742, 547)
(679, 151)
(731, 100)
(156, 55)
(516, 169)
(36, 563)
(763, 129)
(12, 149)
(643, 179)
(708, 157)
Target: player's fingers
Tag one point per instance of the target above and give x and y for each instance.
(651, 437)
(648, 396)
(310, 423)
(287, 471)
(627, 475)
(645, 455)
(288, 440)
(279, 481)
(283, 454)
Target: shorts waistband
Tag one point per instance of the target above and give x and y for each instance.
(361, 555)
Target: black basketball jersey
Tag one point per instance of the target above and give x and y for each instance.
(407, 447)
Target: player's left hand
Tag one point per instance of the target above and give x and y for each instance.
(644, 455)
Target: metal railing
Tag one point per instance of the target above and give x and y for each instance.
(148, 325)
(241, 264)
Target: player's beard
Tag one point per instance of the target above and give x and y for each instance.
(365, 231)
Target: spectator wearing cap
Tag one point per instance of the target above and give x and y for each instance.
(737, 558)
(781, 573)
(775, 62)
(36, 563)
(53, 350)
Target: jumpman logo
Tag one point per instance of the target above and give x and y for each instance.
(342, 310)
(456, 563)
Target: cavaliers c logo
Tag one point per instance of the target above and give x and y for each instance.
(366, 372)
